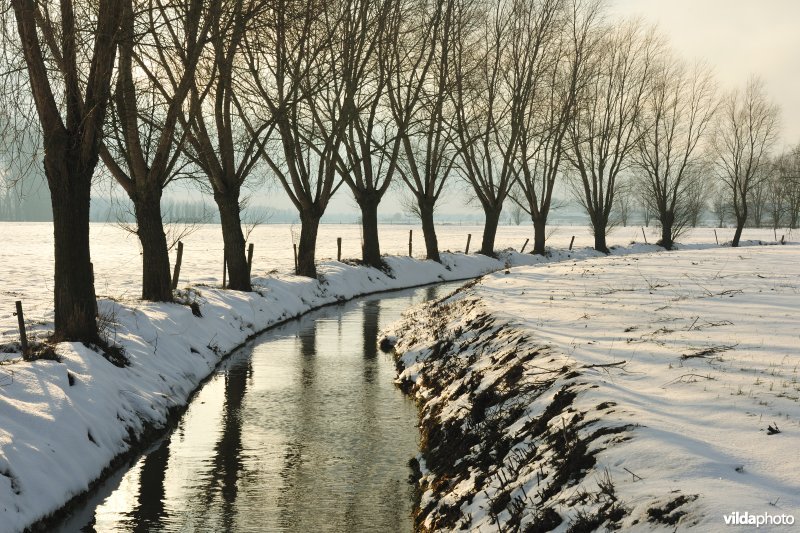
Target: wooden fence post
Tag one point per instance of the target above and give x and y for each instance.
(571, 241)
(522, 250)
(645, 236)
(715, 237)
(23, 336)
(410, 242)
(469, 238)
(250, 259)
(294, 245)
(177, 272)
(339, 249)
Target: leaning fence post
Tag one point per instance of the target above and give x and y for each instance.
(338, 249)
(715, 237)
(645, 236)
(522, 250)
(571, 241)
(469, 238)
(23, 337)
(250, 259)
(783, 239)
(177, 272)
(294, 245)
(410, 242)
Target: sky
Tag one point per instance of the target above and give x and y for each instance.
(738, 38)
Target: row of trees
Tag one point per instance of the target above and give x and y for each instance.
(509, 96)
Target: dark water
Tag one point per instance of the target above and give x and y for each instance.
(303, 430)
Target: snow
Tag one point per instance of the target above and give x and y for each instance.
(62, 422)
(26, 254)
(701, 351)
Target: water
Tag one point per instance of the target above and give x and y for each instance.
(302, 430)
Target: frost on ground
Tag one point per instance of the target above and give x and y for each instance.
(638, 392)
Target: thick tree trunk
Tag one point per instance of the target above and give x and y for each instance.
(429, 231)
(371, 248)
(156, 278)
(667, 222)
(741, 220)
(492, 215)
(539, 236)
(233, 238)
(74, 296)
(599, 226)
(309, 227)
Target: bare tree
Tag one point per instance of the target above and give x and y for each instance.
(699, 194)
(547, 114)
(624, 203)
(677, 113)
(485, 79)
(776, 193)
(515, 213)
(418, 92)
(604, 132)
(220, 138)
(720, 205)
(69, 50)
(789, 178)
(303, 78)
(155, 72)
(757, 198)
(746, 131)
(371, 144)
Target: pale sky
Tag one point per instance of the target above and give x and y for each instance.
(738, 38)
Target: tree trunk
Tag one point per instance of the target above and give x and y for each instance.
(599, 226)
(429, 231)
(233, 238)
(667, 221)
(539, 236)
(74, 296)
(156, 278)
(492, 215)
(309, 227)
(371, 248)
(741, 220)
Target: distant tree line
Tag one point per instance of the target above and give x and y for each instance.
(508, 97)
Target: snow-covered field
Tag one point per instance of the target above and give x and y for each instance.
(641, 391)
(26, 252)
(62, 422)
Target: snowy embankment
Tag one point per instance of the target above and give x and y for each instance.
(62, 422)
(644, 392)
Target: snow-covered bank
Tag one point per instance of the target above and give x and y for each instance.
(645, 392)
(62, 422)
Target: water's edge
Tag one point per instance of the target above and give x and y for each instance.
(151, 433)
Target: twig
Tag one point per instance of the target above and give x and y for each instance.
(635, 476)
